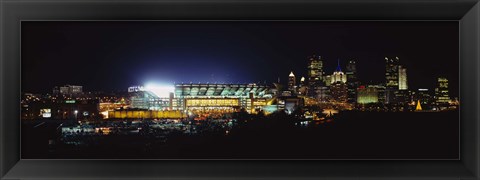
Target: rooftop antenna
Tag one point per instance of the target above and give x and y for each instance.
(338, 65)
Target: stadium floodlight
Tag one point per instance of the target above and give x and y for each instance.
(160, 90)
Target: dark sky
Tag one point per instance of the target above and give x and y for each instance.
(114, 55)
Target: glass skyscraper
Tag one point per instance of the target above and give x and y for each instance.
(391, 79)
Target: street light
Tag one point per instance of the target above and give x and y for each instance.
(76, 112)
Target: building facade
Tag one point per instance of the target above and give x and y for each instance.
(402, 78)
(352, 81)
(316, 78)
(339, 92)
(441, 91)
(221, 97)
(391, 79)
(292, 85)
(338, 86)
(367, 95)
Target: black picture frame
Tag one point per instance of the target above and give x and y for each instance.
(467, 12)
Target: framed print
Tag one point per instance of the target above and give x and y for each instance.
(202, 89)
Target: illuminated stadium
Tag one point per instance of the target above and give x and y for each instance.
(201, 100)
(221, 98)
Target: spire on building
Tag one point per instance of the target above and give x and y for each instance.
(291, 74)
(338, 66)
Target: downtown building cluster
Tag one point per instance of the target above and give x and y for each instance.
(344, 90)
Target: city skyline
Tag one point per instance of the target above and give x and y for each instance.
(253, 66)
(401, 80)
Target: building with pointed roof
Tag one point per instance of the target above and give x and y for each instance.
(291, 82)
(338, 75)
(338, 87)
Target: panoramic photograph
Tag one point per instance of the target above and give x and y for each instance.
(246, 90)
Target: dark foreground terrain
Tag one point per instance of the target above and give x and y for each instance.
(351, 135)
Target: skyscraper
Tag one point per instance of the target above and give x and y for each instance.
(338, 75)
(352, 81)
(303, 86)
(403, 94)
(402, 78)
(291, 82)
(327, 80)
(391, 79)
(317, 88)
(441, 91)
(303, 82)
(339, 92)
(315, 69)
(338, 88)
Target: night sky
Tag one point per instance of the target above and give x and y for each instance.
(114, 55)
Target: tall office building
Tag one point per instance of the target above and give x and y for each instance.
(317, 88)
(315, 69)
(352, 81)
(303, 86)
(338, 75)
(402, 94)
(391, 79)
(291, 82)
(441, 91)
(303, 82)
(327, 80)
(338, 87)
(402, 78)
(339, 92)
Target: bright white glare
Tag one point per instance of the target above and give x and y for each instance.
(160, 90)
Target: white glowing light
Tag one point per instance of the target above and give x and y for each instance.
(160, 90)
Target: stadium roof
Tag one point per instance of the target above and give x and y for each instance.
(220, 90)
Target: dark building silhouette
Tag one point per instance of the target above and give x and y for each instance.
(352, 81)
(391, 79)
